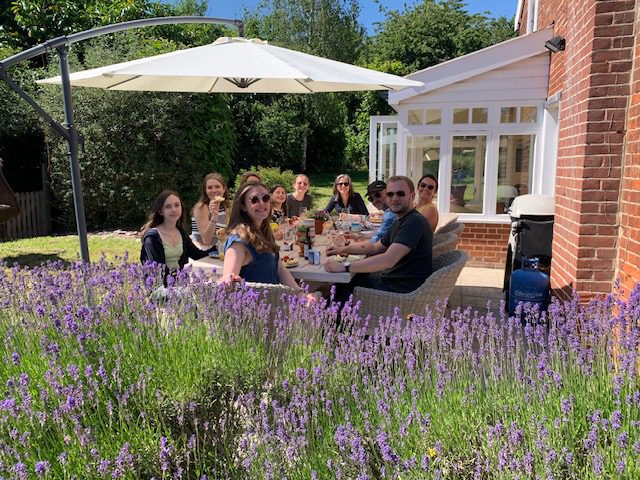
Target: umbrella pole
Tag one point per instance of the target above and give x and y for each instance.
(72, 140)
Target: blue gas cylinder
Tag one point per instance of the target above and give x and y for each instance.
(528, 284)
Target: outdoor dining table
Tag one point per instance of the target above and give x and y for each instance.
(304, 271)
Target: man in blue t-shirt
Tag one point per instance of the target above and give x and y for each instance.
(401, 260)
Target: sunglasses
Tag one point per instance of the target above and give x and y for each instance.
(399, 194)
(373, 195)
(265, 197)
(343, 184)
(427, 186)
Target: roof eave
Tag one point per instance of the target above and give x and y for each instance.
(475, 63)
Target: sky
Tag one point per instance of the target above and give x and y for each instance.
(370, 10)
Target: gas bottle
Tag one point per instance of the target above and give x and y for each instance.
(528, 284)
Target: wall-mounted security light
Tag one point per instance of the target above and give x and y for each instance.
(555, 44)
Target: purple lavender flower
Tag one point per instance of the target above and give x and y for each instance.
(616, 420)
(42, 467)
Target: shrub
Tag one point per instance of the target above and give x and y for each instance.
(271, 176)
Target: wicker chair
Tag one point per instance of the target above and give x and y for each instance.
(444, 242)
(438, 286)
(445, 219)
(453, 227)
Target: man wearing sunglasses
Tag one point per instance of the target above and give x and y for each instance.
(377, 195)
(401, 260)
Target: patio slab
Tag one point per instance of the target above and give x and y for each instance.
(476, 286)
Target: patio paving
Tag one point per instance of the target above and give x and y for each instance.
(476, 286)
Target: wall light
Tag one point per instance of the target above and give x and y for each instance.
(555, 44)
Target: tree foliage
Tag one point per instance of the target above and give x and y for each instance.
(436, 31)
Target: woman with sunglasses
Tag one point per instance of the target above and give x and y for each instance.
(210, 209)
(344, 199)
(427, 188)
(250, 251)
(163, 237)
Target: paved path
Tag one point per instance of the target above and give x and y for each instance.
(476, 286)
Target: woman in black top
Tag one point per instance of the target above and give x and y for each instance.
(163, 237)
(344, 199)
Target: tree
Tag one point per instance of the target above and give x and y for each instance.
(435, 31)
(301, 131)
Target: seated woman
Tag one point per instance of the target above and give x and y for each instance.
(344, 199)
(250, 251)
(427, 188)
(299, 198)
(278, 204)
(163, 237)
(210, 209)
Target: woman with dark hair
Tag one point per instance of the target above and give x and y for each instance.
(345, 199)
(299, 198)
(250, 251)
(427, 188)
(163, 237)
(249, 177)
(278, 203)
(210, 210)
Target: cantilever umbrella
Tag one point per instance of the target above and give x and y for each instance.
(236, 65)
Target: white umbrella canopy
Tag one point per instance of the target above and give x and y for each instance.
(236, 65)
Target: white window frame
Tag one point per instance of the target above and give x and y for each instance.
(493, 129)
(532, 16)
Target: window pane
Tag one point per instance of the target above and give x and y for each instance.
(415, 117)
(467, 173)
(508, 114)
(528, 114)
(515, 165)
(480, 115)
(423, 155)
(433, 116)
(460, 115)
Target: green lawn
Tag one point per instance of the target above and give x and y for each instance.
(34, 251)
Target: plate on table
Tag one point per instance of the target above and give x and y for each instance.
(290, 262)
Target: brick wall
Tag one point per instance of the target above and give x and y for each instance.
(485, 243)
(593, 74)
(628, 259)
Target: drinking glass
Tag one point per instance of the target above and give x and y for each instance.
(303, 212)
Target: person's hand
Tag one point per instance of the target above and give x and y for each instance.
(214, 208)
(229, 279)
(333, 250)
(352, 236)
(333, 267)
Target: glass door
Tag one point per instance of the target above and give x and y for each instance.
(383, 146)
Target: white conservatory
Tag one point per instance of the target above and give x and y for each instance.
(482, 124)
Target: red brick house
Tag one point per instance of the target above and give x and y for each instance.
(554, 111)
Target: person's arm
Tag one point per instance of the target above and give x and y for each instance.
(286, 278)
(358, 248)
(152, 250)
(331, 205)
(431, 214)
(235, 257)
(191, 250)
(387, 220)
(357, 205)
(206, 217)
(375, 263)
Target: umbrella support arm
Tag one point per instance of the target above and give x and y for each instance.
(70, 133)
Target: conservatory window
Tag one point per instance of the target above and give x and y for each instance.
(479, 115)
(415, 117)
(515, 166)
(528, 115)
(434, 116)
(423, 156)
(460, 115)
(467, 173)
(508, 114)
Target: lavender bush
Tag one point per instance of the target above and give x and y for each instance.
(103, 378)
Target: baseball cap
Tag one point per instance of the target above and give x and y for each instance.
(376, 186)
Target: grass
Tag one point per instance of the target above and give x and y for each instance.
(322, 185)
(34, 251)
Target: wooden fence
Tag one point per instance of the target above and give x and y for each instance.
(34, 219)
